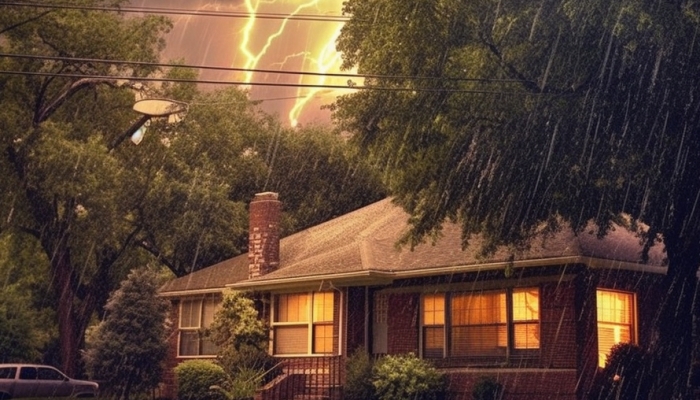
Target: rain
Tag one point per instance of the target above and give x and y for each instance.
(494, 199)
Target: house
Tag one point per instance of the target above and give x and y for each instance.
(539, 321)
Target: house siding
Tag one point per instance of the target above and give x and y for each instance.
(357, 317)
(168, 386)
(566, 363)
(403, 323)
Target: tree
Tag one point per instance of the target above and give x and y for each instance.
(57, 113)
(26, 329)
(96, 209)
(239, 333)
(242, 338)
(127, 349)
(512, 117)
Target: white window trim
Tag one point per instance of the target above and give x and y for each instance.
(634, 333)
(309, 324)
(201, 301)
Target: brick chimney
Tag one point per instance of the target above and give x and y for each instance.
(264, 234)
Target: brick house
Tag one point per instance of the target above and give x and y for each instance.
(540, 321)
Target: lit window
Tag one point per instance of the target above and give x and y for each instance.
(434, 325)
(526, 317)
(195, 315)
(480, 324)
(615, 321)
(303, 323)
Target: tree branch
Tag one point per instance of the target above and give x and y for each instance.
(45, 112)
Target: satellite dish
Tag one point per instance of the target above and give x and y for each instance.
(159, 107)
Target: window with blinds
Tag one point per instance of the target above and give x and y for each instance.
(480, 324)
(303, 323)
(195, 315)
(433, 325)
(616, 321)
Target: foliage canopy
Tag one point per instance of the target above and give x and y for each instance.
(96, 209)
(512, 117)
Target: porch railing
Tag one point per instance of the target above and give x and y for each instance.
(308, 378)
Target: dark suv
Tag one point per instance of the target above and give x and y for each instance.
(30, 380)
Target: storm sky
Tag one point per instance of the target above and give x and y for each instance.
(262, 43)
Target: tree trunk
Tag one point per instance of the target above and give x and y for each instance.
(68, 332)
(674, 322)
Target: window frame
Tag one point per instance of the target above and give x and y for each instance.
(508, 350)
(320, 331)
(632, 325)
(202, 322)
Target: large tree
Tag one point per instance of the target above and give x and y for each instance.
(98, 209)
(59, 182)
(509, 116)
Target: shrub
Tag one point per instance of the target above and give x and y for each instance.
(358, 376)
(407, 377)
(486, 388)
(196, 377)
(126, 350)
(241, 386)
(627, 374)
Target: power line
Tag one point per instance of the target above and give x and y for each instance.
(254, 70)
(180, 11)
(241, 83)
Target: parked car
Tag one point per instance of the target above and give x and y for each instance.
(31, 380)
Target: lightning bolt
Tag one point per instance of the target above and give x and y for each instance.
(319, 57)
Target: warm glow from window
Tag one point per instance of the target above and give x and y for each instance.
(293, 308)
(303, 323)
(480, 323)
(433, 325)
(434, 309)
(526, 316)
(615, 321)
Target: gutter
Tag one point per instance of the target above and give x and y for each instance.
(379, 277)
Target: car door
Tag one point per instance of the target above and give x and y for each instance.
(52, 383)
(7, 379)
(26, 383)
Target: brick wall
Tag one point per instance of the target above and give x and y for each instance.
(403, 323)
(356, 319)
(558, 341)
(517, 384)
(167, 388)
(264, 234)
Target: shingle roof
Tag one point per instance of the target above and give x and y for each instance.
(363, 242)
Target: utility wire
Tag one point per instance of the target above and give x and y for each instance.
(241, 83)
(246, 70)
(179, 11)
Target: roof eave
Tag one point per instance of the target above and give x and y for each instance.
(356, 278)
(191, 292)
(375, 277)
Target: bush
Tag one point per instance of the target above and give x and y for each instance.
(196, 377)
(487, 388)
(627, 374)
(407, 377)
(358, 376)
(126, 350)
(242, 385)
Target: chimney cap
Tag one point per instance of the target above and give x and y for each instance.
(266, 196)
